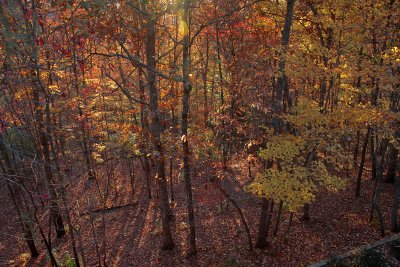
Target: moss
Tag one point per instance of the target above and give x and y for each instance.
(395, 249)
(371, 258)
(337, 263)
(230, 262)
(367, 258)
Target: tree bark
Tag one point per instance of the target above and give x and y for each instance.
(184, 127)
(392, 166)
(171, 182)
(278, 218)
(270, 214)
(262, 227)
(155, 133)
(360, 171)
(205, 94)
(356, 148)
(306, 212)
(282, 63)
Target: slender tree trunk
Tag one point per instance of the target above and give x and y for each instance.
(289, 226)
(373, 155)
(222, 98)
(360, 171)
(205, 94)
(171, 182)
(131, 169)
(43, 148)
(83, 125)
(270, 214)
(184, 127)
(306, 212)
(278, 218)
(325, 43)
(392, 168)
(322, 94)
(356, 148)
(262, 228)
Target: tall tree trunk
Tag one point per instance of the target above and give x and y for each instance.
(85, 140)
(282, 63)
(145, 130)
(205, 94)
(44, 151)
(222, 98)
(184, 127)
(155, 133)
(262, 234)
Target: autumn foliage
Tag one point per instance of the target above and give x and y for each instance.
(107, 105)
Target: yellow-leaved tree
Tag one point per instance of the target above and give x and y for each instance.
(308, 157)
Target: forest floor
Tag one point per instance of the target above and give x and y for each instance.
(132, 234)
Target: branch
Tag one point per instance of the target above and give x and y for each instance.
(137, 62)
(213, 21)
(126, 92)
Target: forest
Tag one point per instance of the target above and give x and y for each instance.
(197, 132)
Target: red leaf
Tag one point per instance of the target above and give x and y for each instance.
(81, 43)
(57, 47)
(44, 196)
(82, 66)
(67, 52)
(28, 14)
(40, 21)
(39, 41)
(3, 126)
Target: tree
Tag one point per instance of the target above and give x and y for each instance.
(185, 113)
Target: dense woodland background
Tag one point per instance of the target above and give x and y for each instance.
(197, 132)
